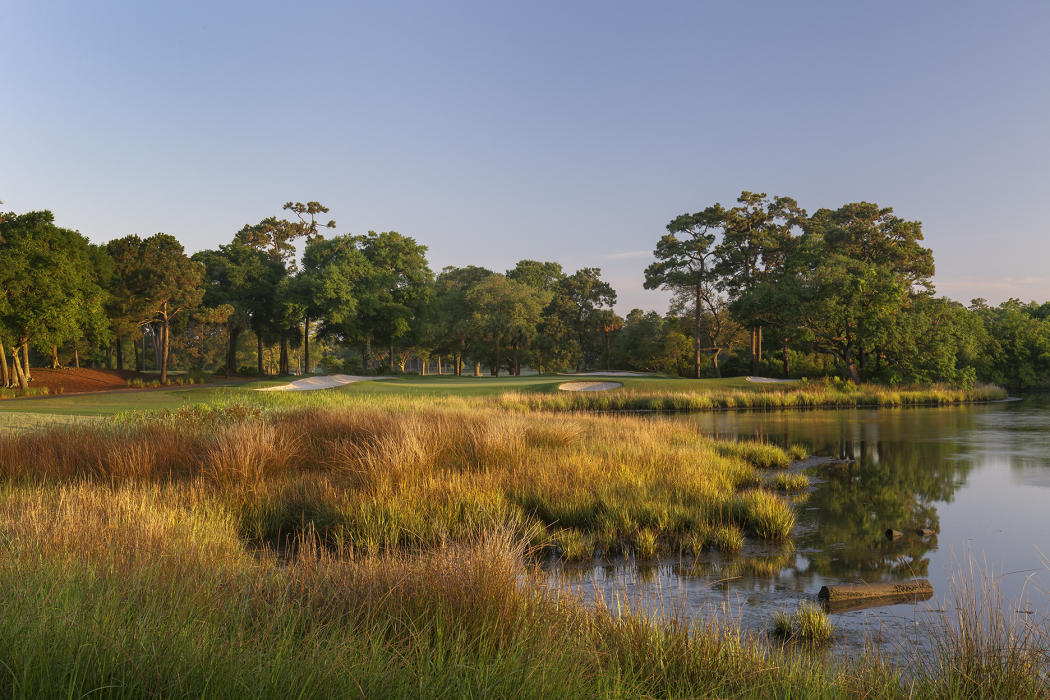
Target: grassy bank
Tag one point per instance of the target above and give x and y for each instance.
(353, 550)
(121, 593)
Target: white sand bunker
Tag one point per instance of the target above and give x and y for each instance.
(589, 386)
(314, 383)
(768, 380)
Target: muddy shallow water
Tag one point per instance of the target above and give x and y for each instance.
(978, 476)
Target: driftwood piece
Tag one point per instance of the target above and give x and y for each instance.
(925, 532)
(919, 589)
(892, 534)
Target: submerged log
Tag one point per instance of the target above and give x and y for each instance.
(925, 532)
(919, 589)
(892, 534)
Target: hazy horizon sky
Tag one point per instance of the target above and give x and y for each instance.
(573, 132)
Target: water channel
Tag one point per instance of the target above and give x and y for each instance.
(978, 476)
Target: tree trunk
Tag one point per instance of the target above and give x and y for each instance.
(787, 362)
(714, 362)
(120, 353)
(25, 359)
(306, 346)
(19, 376)
(439, 365)
(754, 353)
(760, 346)
(495, 365)
(391, 363)
(517, 364)
(608, 356)
(851, 366)
(459, 364)
(5, 372)
(539, 361)
(282, 360)
(422, 366)
(165, 347)
(368, 352)
(696, 332)
(138, 356)
(477, 369)
(55, 364)
(76, 356)
(258, 352)
(231, 350)
(157, 341)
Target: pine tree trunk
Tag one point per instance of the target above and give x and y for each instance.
(306, 346)
(231, 350)
(55, 364)
(258, 352)
(5, 372)
(754, 353)
(120, 353)
(282, 360)
(608, 356)
(696, 332)
(165, 349)
(760, 346)
(76, 356)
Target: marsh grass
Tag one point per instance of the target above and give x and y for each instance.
(985, 645)
(816, 394)
(279, 550)
(375, 479)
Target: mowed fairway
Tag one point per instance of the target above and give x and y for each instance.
(534, 392)
(112, 403)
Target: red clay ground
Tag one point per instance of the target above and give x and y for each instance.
(76, 381)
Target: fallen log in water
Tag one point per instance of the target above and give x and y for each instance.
(853, 596)
(892, 534)
(849, 605)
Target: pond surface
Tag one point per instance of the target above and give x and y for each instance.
(978, 476)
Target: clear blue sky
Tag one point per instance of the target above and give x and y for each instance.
(570, 131)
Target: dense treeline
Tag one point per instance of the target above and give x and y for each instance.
(760, 287)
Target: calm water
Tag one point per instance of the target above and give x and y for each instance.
(977, 475)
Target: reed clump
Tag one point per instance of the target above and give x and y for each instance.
(808, 625)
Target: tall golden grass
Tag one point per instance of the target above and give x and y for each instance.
(371, 479)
